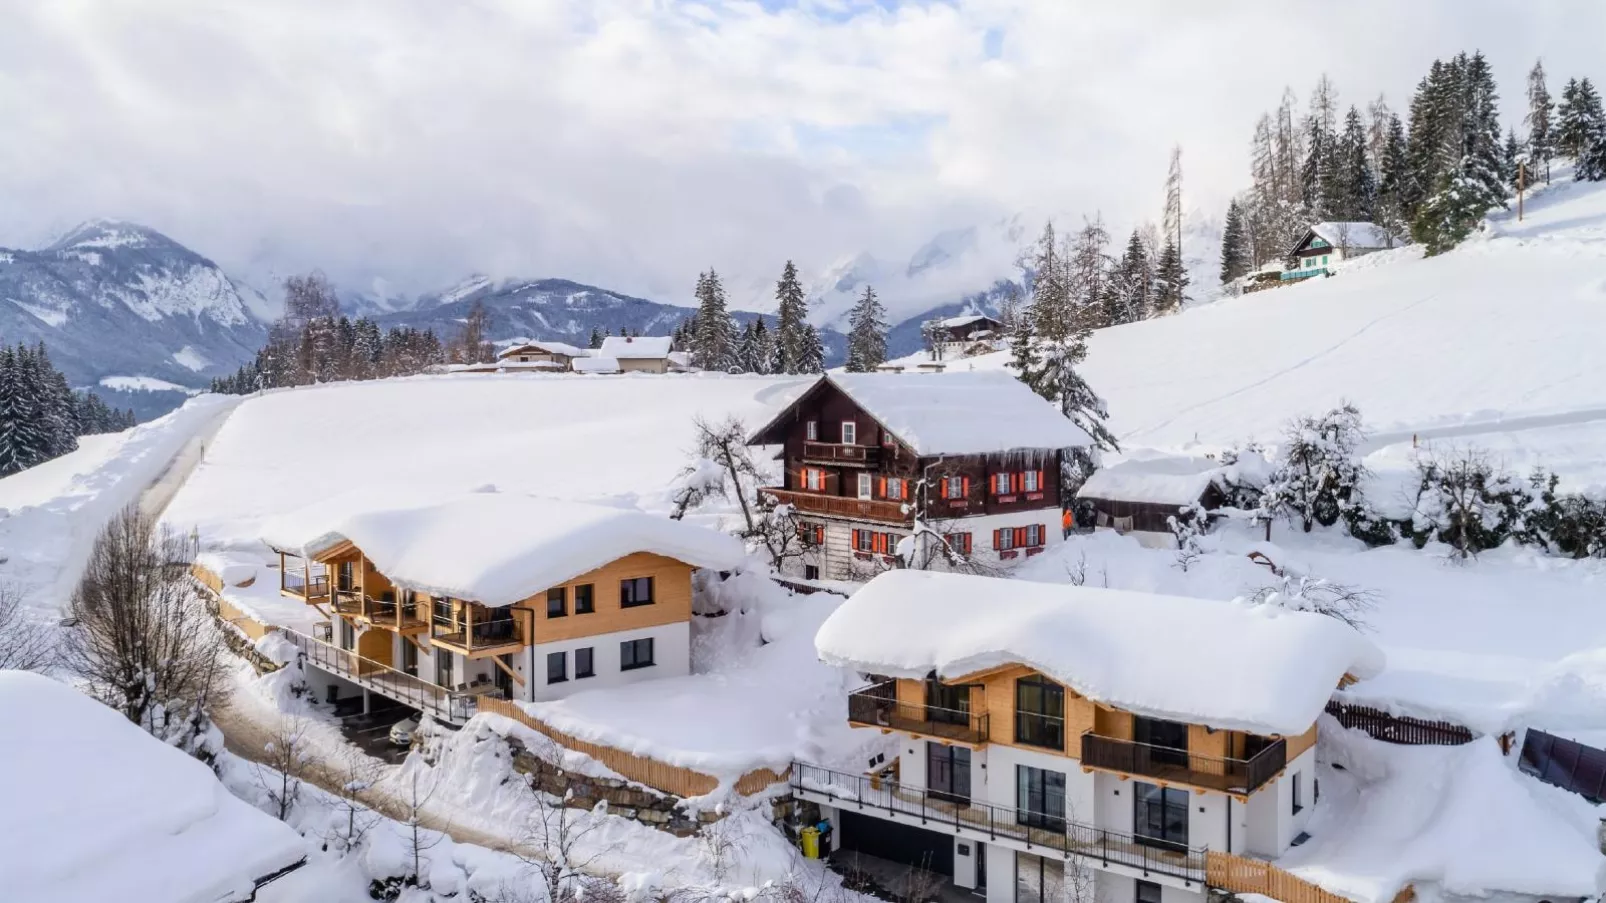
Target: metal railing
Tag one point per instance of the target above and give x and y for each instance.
(296, 582)
(878, 706)
(1179, 765)
(1095, 844)
(479, 635)
(383, 679)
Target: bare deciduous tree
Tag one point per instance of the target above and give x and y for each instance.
(357, 773)
(420, 839)
(1350, 604)
(470, 345)
(142, 640)
(723, 467)
(25, 645)
(286, 760)
(722, 842)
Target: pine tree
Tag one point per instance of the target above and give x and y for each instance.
(713, 346)
(1170, 280)
(1088, 271)
(1591, 165)
(13, 452)
(1579, 117)
(1430, 115)
(1469, 180)
(1394, 174)
(596, 339)
(1235, 254)
(764, 350)
(58, 420)
(1171, 223)
(867, 333)
(1052, 312)
(1355, 189)
(366, 348)
(1541, 140)
(1510, 154)
(1129, 292)
(811, 359)
(792, 322)
(1313, 178)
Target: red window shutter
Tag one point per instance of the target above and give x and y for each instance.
(1020, 536)
(998, 539)
(964, 487)
(855, 540)
(1040, 483)
(884, 487)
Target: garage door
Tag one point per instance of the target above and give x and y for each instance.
(896, 843)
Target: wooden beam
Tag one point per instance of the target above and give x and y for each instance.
(497, 661)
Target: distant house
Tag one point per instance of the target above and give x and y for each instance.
(1326, 244)
(1139, 496)
(539, 355)
(638, 354)
(603, 365)
(974, 457)
(960, 336)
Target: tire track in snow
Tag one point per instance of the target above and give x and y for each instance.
(1365, 327)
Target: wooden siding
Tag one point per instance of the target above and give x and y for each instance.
(671, 594)
(1251, 876)
(661, 776)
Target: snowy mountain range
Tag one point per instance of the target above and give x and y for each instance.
(113, 299)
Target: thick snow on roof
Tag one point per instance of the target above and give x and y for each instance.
(1162, 480)
(99, 810)
(1355, 235)
(966, 320)
(961, 413)
(493, 547)
(1227, 665)
(1458, 817)
(548, 347)
(632, 347)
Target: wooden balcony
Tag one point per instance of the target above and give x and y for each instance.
(294, 583)
(839, 455)
(841, 506)
(1240, 777)
(478, 639)
(878, 706)
(390, 615)
(347, 602)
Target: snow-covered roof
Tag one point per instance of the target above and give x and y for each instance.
(1164, 479)
(964, 320)
(595, 365)
(969, 413)
(626, 348)
(1458, 821)
(1227, 665)
(100, 810)
(1354, 235)
(542, 346)
(491, 547)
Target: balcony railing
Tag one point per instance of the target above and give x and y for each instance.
(1243, 776)
(878, 706)
(478, 637)
(296, 584)
(394, 615)
(383, 679)
(847, 455)
(994, 822)
(841, 506)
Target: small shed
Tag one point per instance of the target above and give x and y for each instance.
(1140, 495)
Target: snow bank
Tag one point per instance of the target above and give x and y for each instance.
(1458, 817)
(1227, 665)
(960, 413)
(493, 547)
(104, 811)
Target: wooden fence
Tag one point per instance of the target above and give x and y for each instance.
(1251, 876)
(660, 776)
(1400, 729)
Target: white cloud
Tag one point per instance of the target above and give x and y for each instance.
(632, 143)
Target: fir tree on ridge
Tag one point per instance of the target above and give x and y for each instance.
(867, 333)
(713, 345)
(1235, 254)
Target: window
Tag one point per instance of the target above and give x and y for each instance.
(443, 667)
(635, 654)
(894, 488)
(583, 666)
(346, 576)
(811, 534)
(1161, 817)
(1039, 712)
(813, 479)
(813, 431)
(348, 635)
(1034, 535)
(1324, 260)
(850, 433)
(864, 485)
(1040, 798)
(948, 772)
(960, 543)
(584, 599)
(1029, 480)
(557, 602)
(999, 483)
(875, 543)
(811, 572)
(1293, 788)
(557, 667)
(955, 487)
(1148, 892)
(1004, 540)
(1039, 879)
(635, 591)
(1167, 741)
(947, 703)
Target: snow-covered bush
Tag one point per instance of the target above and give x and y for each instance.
(1569, 524)
(1318, 472)
(1350, 604)
(1465, 501)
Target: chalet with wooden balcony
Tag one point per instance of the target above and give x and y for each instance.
(490, 593)
(1165, 742)
(974, 456)
(962, 336)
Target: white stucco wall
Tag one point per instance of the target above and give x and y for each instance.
(1273, 824)
(671, 657)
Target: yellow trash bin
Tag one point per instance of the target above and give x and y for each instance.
(811, 843)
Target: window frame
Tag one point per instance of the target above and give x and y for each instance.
(811, 431)
(1051, 722)
(810, 474)
(1029, 481)
(560, 595)
(962, 543)
(1172, 802)
(896, 489)
(635, 658)
(850, 432)
(1155, 893)
(591, 662)
(866, 486)
(629, 598)
(1031, 782)
(561, 659)
(948, 484)
(1294, 794)
(590, 596)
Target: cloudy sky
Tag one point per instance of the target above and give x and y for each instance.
(632, 143)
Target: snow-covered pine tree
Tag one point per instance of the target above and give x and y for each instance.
(1577, 116)
(812, 358)
(746, 350)
(58, 414)
(1430, 114)
(1171, 222)
(1591, 165)
(1378, 115)
(13, 452)
(764, 350)
(1050, 309)
(1541, 139)
(1088, 261)
(1050, 369)
(1470, 180)
(1235, 254)
(791, 321)
(33, 405)
(1318, 473)
(713, 345)
(1510, 153)
(1170, 281)
(1129, 292)
(1394, 174)
(1356, 189)
(1313, 178)
(867, 333)
(596, 338)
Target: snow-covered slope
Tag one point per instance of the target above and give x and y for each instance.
(115, 298)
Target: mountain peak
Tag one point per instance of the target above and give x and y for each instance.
(106, 234)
